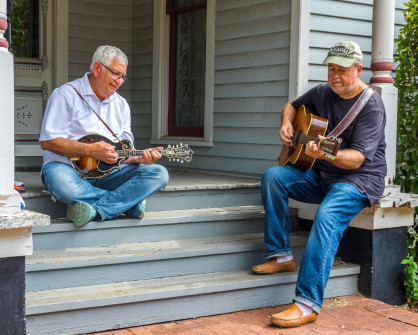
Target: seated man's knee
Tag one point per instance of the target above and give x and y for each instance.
(164, 177)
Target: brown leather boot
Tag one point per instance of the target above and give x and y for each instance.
(271, 266)
(292, 317)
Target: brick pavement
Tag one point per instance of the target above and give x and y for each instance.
(344, 315)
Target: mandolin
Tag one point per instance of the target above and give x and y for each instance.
(88, 167)
(306, 128)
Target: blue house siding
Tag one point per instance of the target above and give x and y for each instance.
(332, 21)
(251, 69)
(141, 70)
(94, 23)
(251, 85)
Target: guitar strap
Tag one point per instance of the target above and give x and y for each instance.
(111, 131)
(353, 112)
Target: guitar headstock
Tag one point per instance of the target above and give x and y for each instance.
(330, 145)
(180, 153)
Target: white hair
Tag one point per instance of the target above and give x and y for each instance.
(105, 55)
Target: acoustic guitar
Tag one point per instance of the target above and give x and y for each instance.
(88, 167)
(306, 128)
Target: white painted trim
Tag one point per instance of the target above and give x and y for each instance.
(60, 38)
(372, 218)
(16, 242)
(299, 47)
(160, 70)
(7, 124)
(161, 25)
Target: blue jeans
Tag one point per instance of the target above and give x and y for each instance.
(120, 191)
(339, 203)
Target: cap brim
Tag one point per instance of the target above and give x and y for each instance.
(341, 61)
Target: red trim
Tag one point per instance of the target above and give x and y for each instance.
(4, 43)
(182, 131)
(29, 91)
(381, 80)
(382, 66)
(3, 24)
(186, 9)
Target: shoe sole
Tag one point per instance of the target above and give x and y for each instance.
(80, 213)
(293, 323)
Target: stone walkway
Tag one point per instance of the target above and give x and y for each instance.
(345, 315)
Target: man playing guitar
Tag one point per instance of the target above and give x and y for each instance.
(342, 185)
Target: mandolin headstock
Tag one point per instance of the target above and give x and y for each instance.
(180, 153)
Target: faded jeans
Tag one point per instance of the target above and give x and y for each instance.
(339, 203)
(119, 192)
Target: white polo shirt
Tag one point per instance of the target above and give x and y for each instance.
(68, 116)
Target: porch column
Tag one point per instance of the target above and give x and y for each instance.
(383, 27)
(15, 224)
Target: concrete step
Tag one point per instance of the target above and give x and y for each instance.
(95, 308)
(155, 226)
(52, 269)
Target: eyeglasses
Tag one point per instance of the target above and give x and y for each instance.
(114, 75)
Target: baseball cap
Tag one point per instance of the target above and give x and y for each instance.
(344, 53)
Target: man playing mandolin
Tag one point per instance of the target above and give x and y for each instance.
(91, 105)
(342, 185)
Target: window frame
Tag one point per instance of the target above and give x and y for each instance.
(172, 130)
(160, 82)
(42, 63)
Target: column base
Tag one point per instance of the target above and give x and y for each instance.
(12, 296)
(379, 254)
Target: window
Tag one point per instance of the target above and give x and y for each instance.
(24, 23)
(187, 67)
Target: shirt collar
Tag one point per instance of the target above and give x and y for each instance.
(87, 90)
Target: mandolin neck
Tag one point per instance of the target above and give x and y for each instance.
(135, 153)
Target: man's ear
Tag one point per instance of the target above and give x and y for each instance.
(97, 67)
(359, 68)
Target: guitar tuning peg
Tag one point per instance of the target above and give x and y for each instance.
(169, 159)
(177, 146)
(181, 162)
(169, 146)
(178, 159)
(181, 144)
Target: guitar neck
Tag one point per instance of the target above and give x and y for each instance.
(135, 153)
(304, 139)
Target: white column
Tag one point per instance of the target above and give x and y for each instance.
(382, 66)
(9, 202)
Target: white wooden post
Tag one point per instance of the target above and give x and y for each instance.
(382, 65)
(9, 202)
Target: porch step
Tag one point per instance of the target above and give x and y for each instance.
(63, 268)
(186, 190)
(155, 226)
(86, 309)
(190, 256)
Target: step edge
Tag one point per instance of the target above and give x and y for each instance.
(183, 216)
(250, 242)
(258, 281)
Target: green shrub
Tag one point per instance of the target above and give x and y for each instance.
(407, 158)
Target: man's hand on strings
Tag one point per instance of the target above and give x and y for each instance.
(150, 155)
(286, 133)
(103, 151)
(312, 149)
